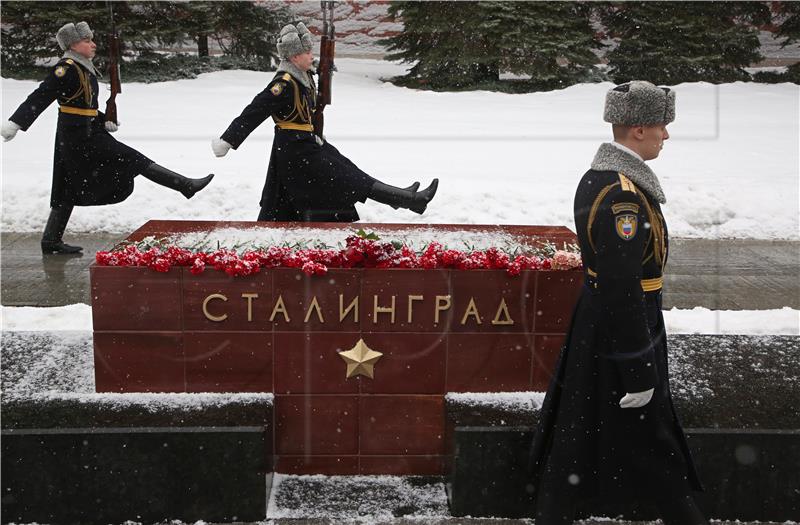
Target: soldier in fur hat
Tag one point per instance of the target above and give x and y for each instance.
(307, 179)
(608, 427)
(90, 167)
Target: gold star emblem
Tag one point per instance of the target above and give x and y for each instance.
(360, 360)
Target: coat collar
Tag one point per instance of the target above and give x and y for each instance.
(82, 60)
(611, 158)
(302, 77)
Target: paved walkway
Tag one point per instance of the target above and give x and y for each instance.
(716, 274)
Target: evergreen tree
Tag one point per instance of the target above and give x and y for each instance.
(445, 41)
(789, 28)
(468, 44)
(789, 22)
(250, 29)
(243, 29)
(673, 42)
(550, 41)
(29, 29)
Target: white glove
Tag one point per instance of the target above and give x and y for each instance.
(636, 399)
(220, 147)
(9, 130)
(111, 127)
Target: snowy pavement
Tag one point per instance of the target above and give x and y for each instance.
(729, 170)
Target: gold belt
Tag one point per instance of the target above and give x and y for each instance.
(295, 126)
(648, 285)
(78, 111)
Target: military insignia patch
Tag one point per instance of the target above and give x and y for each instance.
(625, 206)
(276, 89)
(59, 71)
(626, 226)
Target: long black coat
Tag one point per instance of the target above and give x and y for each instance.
(616, 344)
(90, 167)
(306, 180)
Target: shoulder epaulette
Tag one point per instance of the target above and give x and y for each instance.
(286, 76)
(69, 61)
(625, 183)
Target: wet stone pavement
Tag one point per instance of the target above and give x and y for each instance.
(716, 274)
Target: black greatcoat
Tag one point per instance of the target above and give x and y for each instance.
(90, 167)
(616, 344)
(306, 180)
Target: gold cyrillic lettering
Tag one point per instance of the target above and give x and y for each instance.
(502, 309)
(443, 303)
(471, 310)
(250, 297)
(280, 307)
(411, 299)
(209, 316)
(382, 309)
(315, 306)
(344, 311)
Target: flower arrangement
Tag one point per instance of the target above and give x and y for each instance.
(361, 250)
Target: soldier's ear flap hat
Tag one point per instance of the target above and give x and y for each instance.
(639, 103)
(71, 33)
(294, 40)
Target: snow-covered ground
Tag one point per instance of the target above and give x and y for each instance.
(785, 321)
(731, 168)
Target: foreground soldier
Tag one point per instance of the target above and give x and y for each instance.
(89, 166)
(307, 179)
(608, 427)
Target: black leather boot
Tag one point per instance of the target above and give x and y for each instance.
(54, 231)
(416, 201)
(168, 178)
(412, 188)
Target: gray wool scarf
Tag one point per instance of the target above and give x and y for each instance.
(82, 60)
(611, 158)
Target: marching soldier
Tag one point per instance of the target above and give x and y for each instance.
(307, 179)
(89, 166)
(608, 427)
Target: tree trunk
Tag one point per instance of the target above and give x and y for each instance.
(202, 45)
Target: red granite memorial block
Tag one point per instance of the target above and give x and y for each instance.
(318, 303)
(401, 425)
(402, 465)
(330, 465)
(135, 299)
(316, 425)
(405, 300)
(411, 363)
(228, 361)
(557, 293)
(489, 362)
(545, 354)
(139, 362)
(310, 363)
(492, 301)
(281, 330)
(215, 300)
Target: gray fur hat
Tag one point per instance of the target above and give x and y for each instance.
(71, 33)
(294, 40)
(639, 103)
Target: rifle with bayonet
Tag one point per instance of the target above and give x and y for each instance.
(326, 68)
(115, 84)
